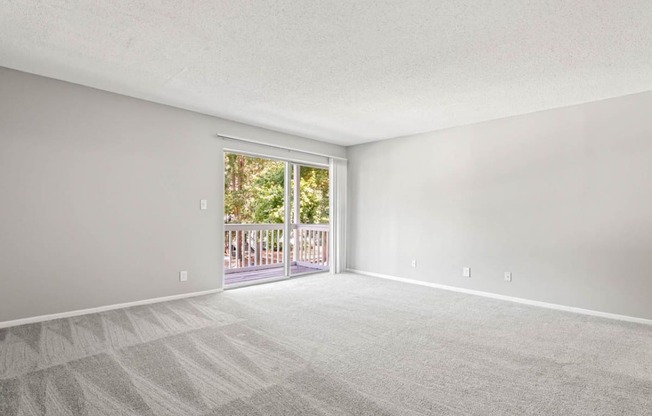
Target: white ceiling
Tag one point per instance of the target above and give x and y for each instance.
(339, 70)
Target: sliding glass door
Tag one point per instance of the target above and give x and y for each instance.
(276, 219)
(310, 219)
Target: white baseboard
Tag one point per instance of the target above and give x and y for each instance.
(42, 318)
(508, 298)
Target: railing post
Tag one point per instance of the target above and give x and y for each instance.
(238, 251)
(325, 248)
(259, 246)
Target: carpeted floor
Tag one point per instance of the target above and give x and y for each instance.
(324, 345)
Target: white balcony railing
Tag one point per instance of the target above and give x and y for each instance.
(312, 247)
(260, 246)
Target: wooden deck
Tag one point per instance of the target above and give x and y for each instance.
(252, 276)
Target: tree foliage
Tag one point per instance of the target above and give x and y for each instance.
(254, 191)
(314, 195)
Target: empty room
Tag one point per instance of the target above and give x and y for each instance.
(256, 208)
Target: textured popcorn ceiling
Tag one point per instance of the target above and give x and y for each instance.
(341, 71)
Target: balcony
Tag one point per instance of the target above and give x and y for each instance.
(254, 252)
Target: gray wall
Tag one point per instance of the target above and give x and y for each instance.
(561, 198)
(99, 196)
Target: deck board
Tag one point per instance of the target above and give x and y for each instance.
(254, 275)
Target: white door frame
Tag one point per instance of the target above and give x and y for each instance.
(337, 208)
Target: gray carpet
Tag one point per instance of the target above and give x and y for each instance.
(323, 345)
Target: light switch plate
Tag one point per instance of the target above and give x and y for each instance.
(183, 275)
(466, 272)
(203, 204)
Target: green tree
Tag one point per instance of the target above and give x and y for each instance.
(314, 195)
(254, 191)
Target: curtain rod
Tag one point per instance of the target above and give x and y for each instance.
(288, 149)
